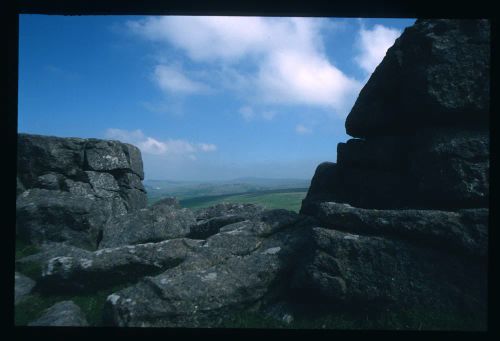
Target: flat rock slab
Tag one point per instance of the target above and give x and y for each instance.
(378, 272)
(77, 271)
(465, 231)
(62, 314)
(152, 224)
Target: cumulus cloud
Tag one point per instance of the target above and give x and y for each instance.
(289, 65)
(150, 145)
(172, 79)
(302, 130)
(300, 78)
(373, 45)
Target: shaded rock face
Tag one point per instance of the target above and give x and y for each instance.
(69, 187)
(62, 314)
(379, 272)
(436, 73)
(439, 168)
(422, 125)
(403, 213)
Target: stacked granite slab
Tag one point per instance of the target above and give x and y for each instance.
(67, 188)
(404, 211)
(421, 125)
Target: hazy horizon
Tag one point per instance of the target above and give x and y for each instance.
(204, 98)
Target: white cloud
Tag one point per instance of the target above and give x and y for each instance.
(209, 38)
(373, 45)
(207, 147)
(302, 130)
(247, 113)
(289, 63)
(153, 146)
(300, 78)
(172, 79)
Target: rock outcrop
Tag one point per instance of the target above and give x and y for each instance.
(403, 214)
(422, 125)
(436, 74)
(401, 220)
(241, 267)
(69, 187)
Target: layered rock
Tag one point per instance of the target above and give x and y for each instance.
(437, 73)
(403, 214)
(376, 273)
(69, 187)
(152, 224)
(183, 282)
(422, 123)
(242, 266)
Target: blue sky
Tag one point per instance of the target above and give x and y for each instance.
(204, 98)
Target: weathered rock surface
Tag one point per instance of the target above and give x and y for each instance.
(152, 224)
(451, 168)
(22, 287)
(403, 215)
(440, 168)
(376, 271)
(211, 219)
(436, 73)
(79, 270)
(234, 269)
(62, 314)
(464, 231)
(401, 220)
(69, 187)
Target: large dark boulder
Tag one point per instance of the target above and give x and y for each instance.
(377, 273)
(436, 73)
(435, 168)
(69, 187)
(402, 217)
(45, 215)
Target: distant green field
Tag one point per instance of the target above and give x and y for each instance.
(290, 199)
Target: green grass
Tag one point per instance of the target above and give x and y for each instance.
(91, 304)
(24, 249)
(286, 199)
(34, 304)
(415, 319)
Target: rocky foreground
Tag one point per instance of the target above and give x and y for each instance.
(399, 222)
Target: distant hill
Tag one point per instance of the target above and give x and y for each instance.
(157, 189)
